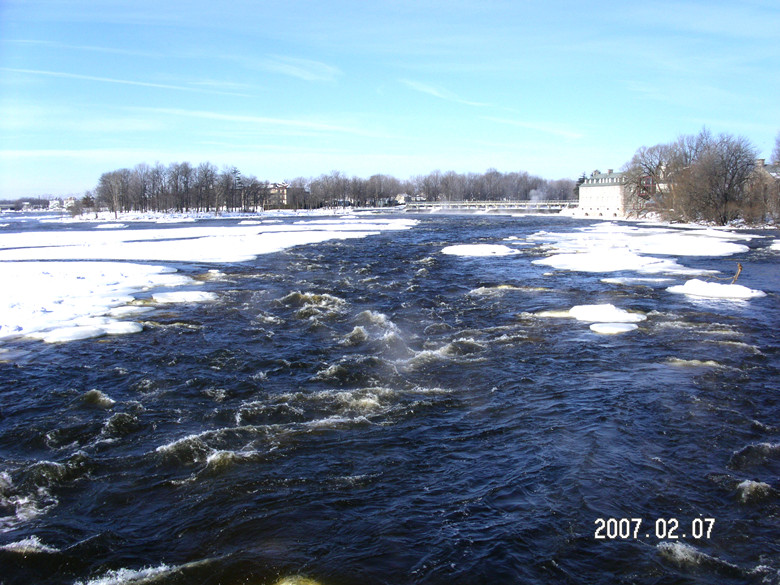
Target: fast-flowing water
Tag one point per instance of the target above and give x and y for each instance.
(373, 411)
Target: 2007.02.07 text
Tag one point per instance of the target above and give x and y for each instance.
(663, 528)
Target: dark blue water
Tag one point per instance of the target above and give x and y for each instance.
(375, 412)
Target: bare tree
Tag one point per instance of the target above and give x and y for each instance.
(776, 151)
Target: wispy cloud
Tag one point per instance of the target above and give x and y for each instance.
(284, 123)
(90, 48)
(306, 69)
(441, 93)
(65, 75)
(539, 127)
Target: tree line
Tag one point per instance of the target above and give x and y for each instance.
(704, 178)
(184, 187)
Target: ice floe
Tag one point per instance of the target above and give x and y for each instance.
(612, 328)
(184, 296)
(606, 319)
(604, 313)
(609, 247)
(479, 250)
(715, 290)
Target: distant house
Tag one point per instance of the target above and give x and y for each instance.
(277, 194)
(602, 195)
(771, 172)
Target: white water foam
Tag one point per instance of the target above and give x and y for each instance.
(753, 491)
(131, 576)
(31, 545)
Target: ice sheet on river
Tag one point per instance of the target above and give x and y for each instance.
(715, 290)
(609, 247)
(60, 286)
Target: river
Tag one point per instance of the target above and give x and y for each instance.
(374, 411)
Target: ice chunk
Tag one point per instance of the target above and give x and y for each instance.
(75, 333)
(715, 290)
(612, 328)
(605, 313)
(184, 296)
(479, 250)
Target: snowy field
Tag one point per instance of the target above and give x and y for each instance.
(65, 285)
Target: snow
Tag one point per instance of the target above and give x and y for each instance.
(715, 290)
(612, 328)
(606, 319)
(184, 296)
(60, 286)
(479, 250)
(605, 313)
(610, 247)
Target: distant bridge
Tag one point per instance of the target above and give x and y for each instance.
(531, 206)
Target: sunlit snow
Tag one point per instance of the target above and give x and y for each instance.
(609, 247)
(604, 313)
(715, 290)
(612, 328)
(58, 286)
(479, 250)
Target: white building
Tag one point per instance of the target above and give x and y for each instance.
(602, 195)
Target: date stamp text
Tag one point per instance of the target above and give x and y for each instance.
(660, 529)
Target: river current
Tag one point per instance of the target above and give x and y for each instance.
(372, 411)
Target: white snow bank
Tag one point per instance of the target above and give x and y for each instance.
(605, 313)
(479, 250)
(776, 245)
(715, 290)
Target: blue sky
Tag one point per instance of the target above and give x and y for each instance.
(299, 88)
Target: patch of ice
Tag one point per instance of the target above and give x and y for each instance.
(58, 301)
(184, 296)
(612, 328)
(609, 247)
(714, 290)
(605, 313)
(111, 226)
(613, 260)
(75, 333)
(479, 250)
(627, 281)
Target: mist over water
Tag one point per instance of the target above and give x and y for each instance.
(375, 411)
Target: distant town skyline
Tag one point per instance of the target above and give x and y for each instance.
(290, 89)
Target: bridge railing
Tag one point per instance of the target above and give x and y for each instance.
(525, 205)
